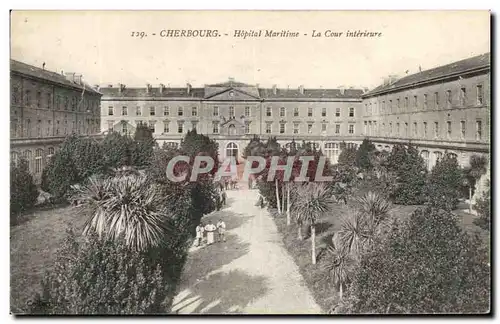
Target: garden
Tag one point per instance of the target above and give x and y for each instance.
(384, 236)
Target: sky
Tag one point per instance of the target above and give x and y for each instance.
(99, 45)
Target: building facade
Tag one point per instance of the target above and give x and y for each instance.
(233, 112)
(441, 110)
(46, 107)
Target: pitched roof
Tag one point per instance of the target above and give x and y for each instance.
(454, 68)
(33, 71)
(153, 92)
(229, 84)
(312, 93)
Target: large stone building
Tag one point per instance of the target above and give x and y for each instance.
(45, 107)
(441, 110)
(233, 112)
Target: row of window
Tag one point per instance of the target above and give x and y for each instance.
(47, 128)
(371, 128)
(296, 128)
(216, 112)
(34, 165)
(423, 103)
(44, 100)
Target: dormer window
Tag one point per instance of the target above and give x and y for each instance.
(231, 93)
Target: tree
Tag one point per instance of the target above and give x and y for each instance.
(126, 208)
(23, 190)
(426, 264)
(483, 207)
(477, 167)
(142, 147)
(313, 201)
(60, 174)
(410, 173)
(347, 156)
(445, 183)
(363, 155)
(117, 150)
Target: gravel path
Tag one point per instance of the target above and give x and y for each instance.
(250, 273)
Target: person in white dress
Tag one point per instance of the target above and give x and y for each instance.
(210, 229)
(221, 227)
(199, 234)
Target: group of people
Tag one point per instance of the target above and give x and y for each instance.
(227, 183)
(209, 231)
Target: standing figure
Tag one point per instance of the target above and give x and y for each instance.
(223, 198)
(210, 229)
(221, 226)
(250, 184)
(226, 183)
(199, 234)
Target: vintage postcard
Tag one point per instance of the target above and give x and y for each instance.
(250, 162)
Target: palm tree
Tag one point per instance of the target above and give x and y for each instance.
(313, 201)
(360, 227)
(339, 265)
(126, 207)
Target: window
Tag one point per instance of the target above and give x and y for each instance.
(282, 128)
(463, 96)
(215, 128)
(296, 112)
(323, 127)
(365, 128)
(351, 111)
(448, 98)
(406, 129)
(39, 129)
(124, 128)
(216, 111)
(462, 129)
(51, 152)
(38, 99)
(323, 112)
(110, 111)
(390, 129)
(180, 111)
(448, 129)
(309, 112)
(415, 129)
(406, 103)
(166, 111)
(415, 102)
(309, 128)
(425, 156)
(425, 129)
(38, 160)
(152, 111)
(27, 156)
(73, 103)
(398, 133)
(425, 101)
(282, 111)
(337, 112)
(49, 100)
(110, 126)
(124, 111)
(166, 127)
(296, 128)
(138, 111)
(14, 95)
(398, 103)
(479, 130)
(436, 129)
(382, 106)
(269, 128)
(180, 127)
(389, 109)
(375, 129)
(479, 94)
(247, 111)
(436, 100)
(247, 128)
(351, 129)
(194, 124)
(332, 152)
(49, 124)
(268, 112)
(231, 111)
(194, 111)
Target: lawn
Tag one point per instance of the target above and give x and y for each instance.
(32, 249)
(314, 276)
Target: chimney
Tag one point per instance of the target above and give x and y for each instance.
(110, 86)
(275, 89)
(342, 90)
(97, 87)
(148, 88)
(70, 76)
(121, 87)
(301, 89)
(365, 89)
(393, 78)
(188, 88)
(43, 66)
(162, 87)
(78, 78)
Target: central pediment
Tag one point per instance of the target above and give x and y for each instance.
(230, 94)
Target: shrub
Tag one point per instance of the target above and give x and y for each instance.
(445, 183)
(117, 150)
(348, 156)
(483, 208)
(427, 264)
(59, 174)
(363, 155)
(96, 276)
(410, 173)
(23, 190)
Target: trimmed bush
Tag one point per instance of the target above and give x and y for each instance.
(427, 264)
(445, 183)
(363, 155)
(23, 190)
(97, 276)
